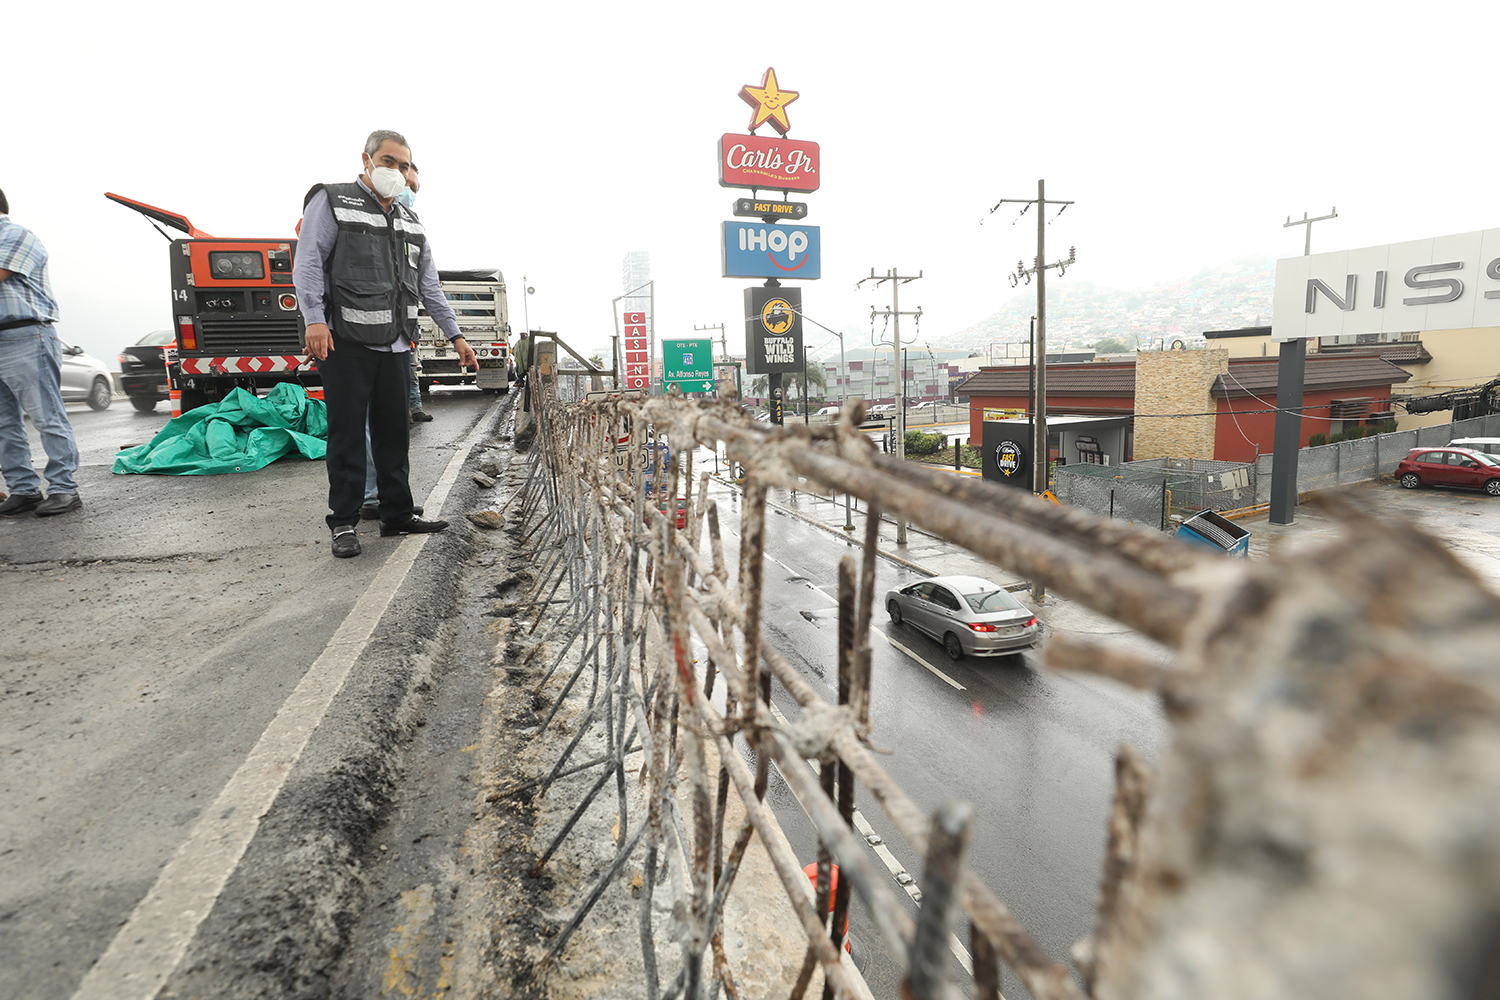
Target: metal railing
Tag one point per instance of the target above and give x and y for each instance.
(641, 594)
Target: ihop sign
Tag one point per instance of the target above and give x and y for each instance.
(759, 250)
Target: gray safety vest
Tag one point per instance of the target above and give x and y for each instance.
(372, 276)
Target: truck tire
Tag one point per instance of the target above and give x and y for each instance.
(424, 385)
(143, 402)
(192, 399)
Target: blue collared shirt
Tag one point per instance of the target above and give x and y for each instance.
(315, 245)
(27, 293)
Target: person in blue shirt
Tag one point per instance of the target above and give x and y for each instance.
(31, 379)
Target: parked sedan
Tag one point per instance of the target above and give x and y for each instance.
(1450, 467)
(968, 615)
(85, 379)
(143, 374)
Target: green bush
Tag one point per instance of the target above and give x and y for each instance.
(1314, 440)
(919, 443)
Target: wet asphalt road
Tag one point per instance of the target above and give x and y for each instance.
(151, 638)
(1032, 750)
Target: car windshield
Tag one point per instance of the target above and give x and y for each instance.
(991, 600)
(1485, 459)
(157, 338)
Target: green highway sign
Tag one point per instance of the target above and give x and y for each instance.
(689, 364)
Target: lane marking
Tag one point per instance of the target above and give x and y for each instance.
(945, 678)
(941, 676)
(887, 857)
(149, 947)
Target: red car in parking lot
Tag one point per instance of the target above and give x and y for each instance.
(1461, 467)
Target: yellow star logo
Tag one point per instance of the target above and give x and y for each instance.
(769, 102)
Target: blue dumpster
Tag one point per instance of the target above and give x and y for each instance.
(1216, 532)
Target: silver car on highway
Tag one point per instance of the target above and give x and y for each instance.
(967, 614)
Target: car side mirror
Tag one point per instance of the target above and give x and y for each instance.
(75, 351)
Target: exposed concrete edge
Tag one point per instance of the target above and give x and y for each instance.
(284, 916)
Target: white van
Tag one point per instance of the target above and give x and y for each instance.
(827, 411)
(1490, 446)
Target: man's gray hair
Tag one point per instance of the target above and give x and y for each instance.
(381, 135)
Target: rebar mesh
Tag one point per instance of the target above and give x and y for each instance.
(642, 595)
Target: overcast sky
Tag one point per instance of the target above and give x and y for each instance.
(553, 138)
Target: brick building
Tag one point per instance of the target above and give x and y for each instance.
(1199, 404)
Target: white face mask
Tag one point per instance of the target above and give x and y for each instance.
(387, 181)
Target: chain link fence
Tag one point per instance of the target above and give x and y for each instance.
(1159, 492)
(1155, 492)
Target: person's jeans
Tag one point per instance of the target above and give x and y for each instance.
(31, 382)
(413, 391)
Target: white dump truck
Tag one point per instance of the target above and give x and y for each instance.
(478, 297)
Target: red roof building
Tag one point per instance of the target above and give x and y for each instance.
(1199, 404)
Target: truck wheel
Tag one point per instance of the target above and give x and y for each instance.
(100, 394)
(192, 399)
(424, 385)
(146, 404)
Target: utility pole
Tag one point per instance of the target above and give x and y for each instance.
(1039, 352)
(1291, 372)
(1305, 221)
(897, 280)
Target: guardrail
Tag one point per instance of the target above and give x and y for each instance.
(1295, 693)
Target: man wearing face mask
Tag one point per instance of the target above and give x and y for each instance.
(363, 265)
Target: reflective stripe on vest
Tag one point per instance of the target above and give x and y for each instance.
(364, 317)
(374, 270)
(356, 216)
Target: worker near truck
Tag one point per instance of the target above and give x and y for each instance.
(370, 509)
(31, 379)
(364, 265)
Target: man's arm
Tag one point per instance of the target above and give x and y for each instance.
(315, 242)
(431, 288)
(5, 274)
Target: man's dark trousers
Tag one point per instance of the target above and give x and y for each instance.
(358, 381)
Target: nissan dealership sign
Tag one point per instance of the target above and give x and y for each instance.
(1445, 283)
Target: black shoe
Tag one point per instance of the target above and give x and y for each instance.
(58, 503)
(345, 541)
(420, 416)
(20, 503)
(411, 526)
(371, 511)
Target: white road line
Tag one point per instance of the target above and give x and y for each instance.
(892, 863)
(147, 949)
(942, 676)
(909, 652)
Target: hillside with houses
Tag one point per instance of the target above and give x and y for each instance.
(1229, 296)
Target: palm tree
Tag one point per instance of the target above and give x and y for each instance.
(792, 382)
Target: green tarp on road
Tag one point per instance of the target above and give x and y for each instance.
(240, 433)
